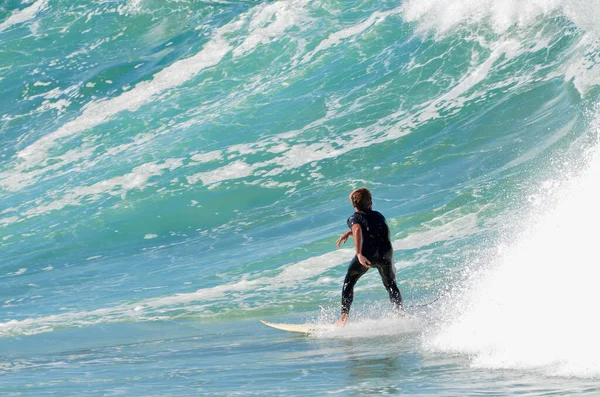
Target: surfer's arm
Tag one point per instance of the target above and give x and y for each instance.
(343, 238)
(358, 240)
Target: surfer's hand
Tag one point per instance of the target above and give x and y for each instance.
(343, 238)
(363, 261)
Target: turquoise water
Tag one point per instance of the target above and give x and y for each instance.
(171, 172)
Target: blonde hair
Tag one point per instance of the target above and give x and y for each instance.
(361, 199)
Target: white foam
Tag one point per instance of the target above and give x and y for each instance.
(443, 16)
(294, 156)
(535, 308)
(451, 225)
(116, 186)
(373, 327)
(19, 272)
(131, 6)
(268, 22)
(207, 157)
(13, 180)
(24, 15)
(9, 220)
(335, 38)
(583, 64)
(234, 170)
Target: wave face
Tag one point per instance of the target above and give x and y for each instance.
(167, 160)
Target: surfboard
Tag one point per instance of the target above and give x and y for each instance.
(305, 329)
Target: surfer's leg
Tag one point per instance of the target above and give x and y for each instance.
(388, 276)
(355, 271)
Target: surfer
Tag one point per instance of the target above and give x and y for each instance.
(373, 249)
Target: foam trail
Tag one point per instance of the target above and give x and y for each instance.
(536, 308)
(24, 15)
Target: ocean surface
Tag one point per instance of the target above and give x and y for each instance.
(174, 171)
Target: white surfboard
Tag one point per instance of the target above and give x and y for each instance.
(305, 329)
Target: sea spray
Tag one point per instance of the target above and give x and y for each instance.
(533, 306)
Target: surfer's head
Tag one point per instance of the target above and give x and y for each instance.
(361, 199)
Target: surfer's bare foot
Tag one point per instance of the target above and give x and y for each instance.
(399, 312)
(342, 321)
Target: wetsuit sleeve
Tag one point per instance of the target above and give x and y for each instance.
(355, 219)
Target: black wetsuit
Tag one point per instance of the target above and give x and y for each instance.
(377, 248)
